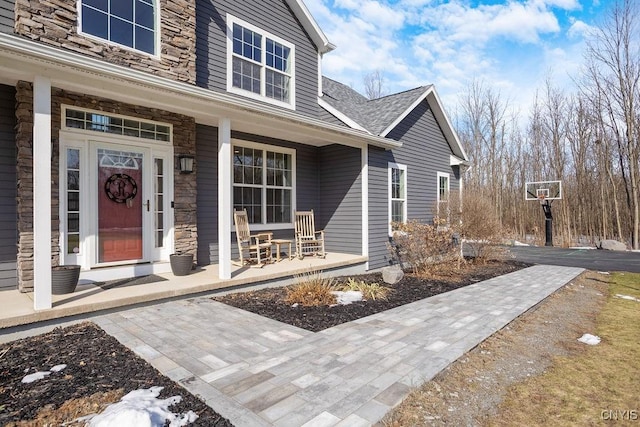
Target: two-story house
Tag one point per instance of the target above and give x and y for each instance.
(132, 129)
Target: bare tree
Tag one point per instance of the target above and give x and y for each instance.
(374, 86)
(614, 56)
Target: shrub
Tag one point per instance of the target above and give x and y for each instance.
(370, 291)
(478, 223)
(422, 246)
(312, 289)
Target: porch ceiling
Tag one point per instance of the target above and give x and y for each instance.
(22, 59)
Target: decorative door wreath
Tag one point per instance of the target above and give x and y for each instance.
(121, 188)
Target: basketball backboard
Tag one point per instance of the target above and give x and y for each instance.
(543, 190)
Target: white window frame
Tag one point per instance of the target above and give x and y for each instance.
(390, 167)
(156, 35)
(263, 67)
(275, 149)
(443, 175)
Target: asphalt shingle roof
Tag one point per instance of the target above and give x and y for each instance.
(374, 115)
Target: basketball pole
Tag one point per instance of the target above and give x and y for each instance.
(548, 222)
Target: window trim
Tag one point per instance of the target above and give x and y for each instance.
(94, 133)
(265, 34)
(402, 167)
(156, 36)
(264, 148)
(443, 175)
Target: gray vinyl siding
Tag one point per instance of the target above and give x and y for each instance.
(340, 210)
(274, 17)
(7, 16)
(425, 152)
(8, 218)
(378, 207)
(207, 193)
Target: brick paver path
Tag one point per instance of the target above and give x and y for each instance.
(260, 372)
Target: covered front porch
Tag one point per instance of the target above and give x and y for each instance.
(18, 308)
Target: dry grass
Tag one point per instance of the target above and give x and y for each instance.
(595, 386)
(312, 289)
(71, 410)
(370, 291)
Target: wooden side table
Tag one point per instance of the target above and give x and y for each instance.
(279, 243)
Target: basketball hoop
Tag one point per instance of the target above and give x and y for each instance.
(541, 198)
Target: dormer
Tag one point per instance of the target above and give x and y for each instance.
(265, 51)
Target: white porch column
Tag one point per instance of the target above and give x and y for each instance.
(225, 162)
(365, 202)
(41, 193)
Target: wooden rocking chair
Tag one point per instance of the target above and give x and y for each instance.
(253, 248)
(308, 240)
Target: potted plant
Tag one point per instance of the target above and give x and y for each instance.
(64, 279)
(181, 263)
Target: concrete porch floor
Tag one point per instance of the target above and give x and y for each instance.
(16, 308)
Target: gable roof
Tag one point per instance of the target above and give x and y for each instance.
(311, 26)
(380, 116)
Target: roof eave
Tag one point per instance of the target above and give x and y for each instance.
(431, 96)
(311, 26)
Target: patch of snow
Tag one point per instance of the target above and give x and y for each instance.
(347, 297)
(628, 297)
(582, 247)
(141, 408)
(28, 379)
(34, 377)
(294, 305)
(589, 339)
(516, 243)
(606, 273)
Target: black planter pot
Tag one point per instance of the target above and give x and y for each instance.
(64, 279)
(181, 264)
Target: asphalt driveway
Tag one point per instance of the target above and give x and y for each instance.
(592, 259)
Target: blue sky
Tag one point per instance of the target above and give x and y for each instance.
(513, 46)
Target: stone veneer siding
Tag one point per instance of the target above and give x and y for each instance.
(55, 22)
(184, 142)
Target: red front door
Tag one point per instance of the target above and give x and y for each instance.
(120, 205)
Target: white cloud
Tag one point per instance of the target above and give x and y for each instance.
(509, 45)
(579, 29)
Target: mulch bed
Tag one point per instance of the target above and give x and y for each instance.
(271, 302)
(97, 365)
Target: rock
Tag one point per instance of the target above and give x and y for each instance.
(392, 274)
(612, 245)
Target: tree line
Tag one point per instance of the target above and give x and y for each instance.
(588, 138)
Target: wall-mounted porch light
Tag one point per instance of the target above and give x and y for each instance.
(186, 163)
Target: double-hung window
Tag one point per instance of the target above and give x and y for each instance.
(397, 193)
(263, 182)
(261, 65)
(129, 23)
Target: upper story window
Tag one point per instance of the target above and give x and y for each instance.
(129, 23)
(260, 65)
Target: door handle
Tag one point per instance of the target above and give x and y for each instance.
(148, 205)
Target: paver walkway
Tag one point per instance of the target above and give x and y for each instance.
(259, 372)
